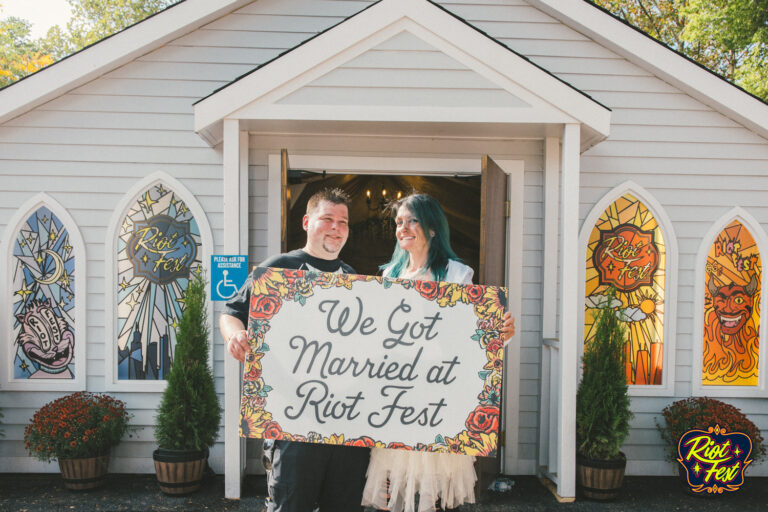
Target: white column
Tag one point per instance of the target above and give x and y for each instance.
(551, 221)
(547, 404)
(235, 158)
(569, 265)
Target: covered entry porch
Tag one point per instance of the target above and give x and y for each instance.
(405, 88)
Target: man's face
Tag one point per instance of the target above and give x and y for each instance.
(327, 230)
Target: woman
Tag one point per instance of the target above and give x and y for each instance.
(423, 252)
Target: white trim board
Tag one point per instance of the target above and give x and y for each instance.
(258, 95)
(761, 240)
(6, 323)
(111, 382)
(667, 387)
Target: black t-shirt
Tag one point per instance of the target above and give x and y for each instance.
(238, 305)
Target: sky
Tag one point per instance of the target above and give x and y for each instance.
(43, 14)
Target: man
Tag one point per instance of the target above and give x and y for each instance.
(306, 475)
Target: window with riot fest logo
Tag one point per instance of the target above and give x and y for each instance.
(43, 299)
(626, 251)
(732, 309)
(158, 246)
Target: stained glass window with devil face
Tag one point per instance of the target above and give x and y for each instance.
(733, 276)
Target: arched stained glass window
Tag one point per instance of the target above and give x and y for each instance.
(733, 280)
(43, 299)
(158, 246)
(626, 251)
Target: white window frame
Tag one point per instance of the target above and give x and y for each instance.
(759, 236)
(111, 382)
(81, 294)
(667, 387)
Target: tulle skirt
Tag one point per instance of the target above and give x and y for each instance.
(394, 478)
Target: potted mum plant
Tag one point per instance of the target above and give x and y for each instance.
(602, 409)
(189, 414)
(700, 413)
(79, 430)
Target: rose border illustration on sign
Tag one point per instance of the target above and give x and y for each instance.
(733, 274)
(626, 250)
(475, 432)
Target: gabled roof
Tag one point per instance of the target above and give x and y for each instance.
(110, 53)
(580, 15)
(672, 67)
(490, 84)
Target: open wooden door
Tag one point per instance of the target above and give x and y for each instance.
(284, 200)
(493, 250)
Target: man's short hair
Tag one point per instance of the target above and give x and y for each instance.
(332, 195)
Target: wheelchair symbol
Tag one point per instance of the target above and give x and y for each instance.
(226, 283)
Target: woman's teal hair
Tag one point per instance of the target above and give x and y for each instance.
(432, 220)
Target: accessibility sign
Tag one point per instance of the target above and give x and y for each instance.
(228, 274)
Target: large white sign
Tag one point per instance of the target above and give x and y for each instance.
(363, 360)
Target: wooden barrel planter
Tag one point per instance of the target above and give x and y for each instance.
(82, 474)
(179, 471)
(600, 479)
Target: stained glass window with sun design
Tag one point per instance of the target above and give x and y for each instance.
(626, 251)
(158, 246)
(733, 277)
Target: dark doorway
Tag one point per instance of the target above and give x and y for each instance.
(372, 235)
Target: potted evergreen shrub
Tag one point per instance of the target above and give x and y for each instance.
(602, 409)
(188, 418)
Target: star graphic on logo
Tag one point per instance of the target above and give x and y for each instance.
(132, 303)
(147, 202)
(24, 291)
(64, 279)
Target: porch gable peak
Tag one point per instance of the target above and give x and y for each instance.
(401, 61)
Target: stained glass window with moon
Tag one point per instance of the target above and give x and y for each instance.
(43, 302)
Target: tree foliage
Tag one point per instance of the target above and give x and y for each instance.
(730, 37)
(602, 400)
(19, 56)
(189, 413)
(92, 20)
